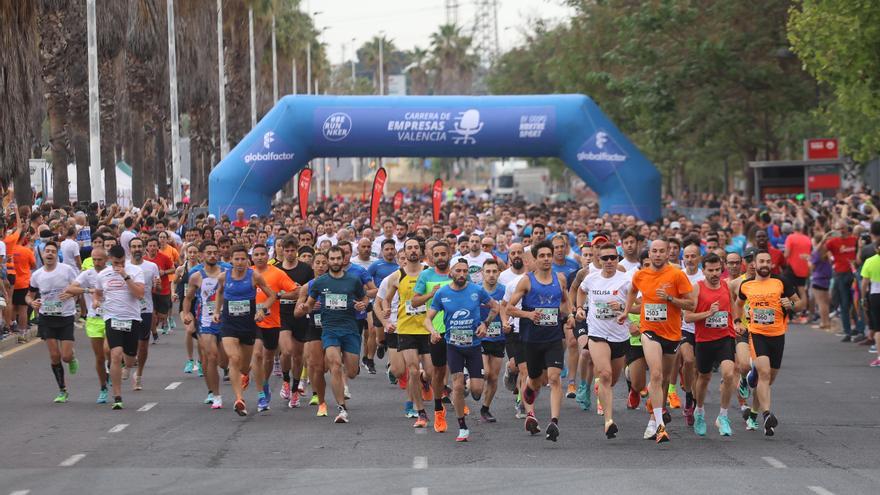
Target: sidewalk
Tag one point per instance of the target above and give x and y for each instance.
(10, 341)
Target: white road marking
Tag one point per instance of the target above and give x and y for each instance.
(420, 462)
(20, 492)
(172, 385)
(818, 490)
(146, 407)
(420, 490)
(774, 462)
(70, 461)
(118, 428)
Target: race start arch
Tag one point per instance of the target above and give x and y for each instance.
(570, 127)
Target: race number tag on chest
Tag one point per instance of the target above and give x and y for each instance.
(548, 317)
(410, 310)
(461, 337)
(604, 311)
(143, 303)
(655, 312)
(239, 308)
(494, 329)
(120, 325)
(52, 308)
(317, 319)
(336, 301)
(764, 316)
(718, 319)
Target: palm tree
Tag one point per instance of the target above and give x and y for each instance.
(112, 24)
(78, 80)
(368, 54)
(19, 90)
(418, 71)
(452, 61)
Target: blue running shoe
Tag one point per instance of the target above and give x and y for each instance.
(209, 399)
(582, 396)
(102, 397)
(188, 367)
(199, 368)
(564, 374)
(752, 377)
(743, 388)
(262, 402)
(700, 423)
(723, 425)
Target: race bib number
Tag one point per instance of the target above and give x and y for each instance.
(764, 316)
(239, 308)
(317, 319)
(461, 337)
(494, 329)
(336, 301)
(120, 325)
(143, 303)
(548, 317)
(655, 312)
(604, 311)
(286, 301)
(717, 320)
(410, 310)
(51, 308)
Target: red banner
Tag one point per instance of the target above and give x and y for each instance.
(398, 200)
(376, 198)
(305, 181)
(437, 198)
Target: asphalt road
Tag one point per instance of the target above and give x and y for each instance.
(827, 400)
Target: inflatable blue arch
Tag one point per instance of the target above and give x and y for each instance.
(570, 127)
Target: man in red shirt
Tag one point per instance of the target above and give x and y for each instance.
(240, 221)
(842, 246)
(798, 248)
(762, 242)
(162, 297)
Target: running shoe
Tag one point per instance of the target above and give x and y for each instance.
(421, 422)
(564, 373)
(463, 434)
(268, 393)
(467, 410)
(610, 430)
(752, 377)
(240, 408)
(346, 393)
(137, 383)
(723, 425)
(873, 349)
(752, 424)
(572, 391)
(600, 411)
(444, 397)
(427, 393)
(294, 400)
(209, 399)
(301, 387)
(245, 381)
(285, 390)
(117, 405)
(226, 375)
(673, 401)
(667, 418)
(403, 381)
(440, 421)
(875, 363)
(650, 430)
(532, 424)
(519, 410)
(380, 350)
(322, 410)
(552, 431)
(313, 401)
(371, 367)
(102, 397)
(582, 396)
(391, 378)
(342, 416)
(200, 370)
(218, 402)
(155, 337)
(700, 423)
(633, 400)
(409, 412)
(73, 366)
(689, 417)
(770, 424)
(188, 367)
(488, 417)
(510, 380)
(662, 436)
(262, 402)
(743, 389)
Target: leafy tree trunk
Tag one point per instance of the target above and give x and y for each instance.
(148, 161)
(136, 158)
(60, 156)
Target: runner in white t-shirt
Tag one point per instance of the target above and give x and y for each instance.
(136, 249)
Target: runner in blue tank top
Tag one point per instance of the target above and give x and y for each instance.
(237, 298)
(545, 308)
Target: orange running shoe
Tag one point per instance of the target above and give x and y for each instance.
(467, 410)
(440, 421)
(322, 410)
(245, 381)
(662, 436)
(421, 422)
(673, 400)
(402, 381)
(427, 393)
(572, 390)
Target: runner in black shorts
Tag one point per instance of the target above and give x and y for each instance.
(294, 331)
(309, 334)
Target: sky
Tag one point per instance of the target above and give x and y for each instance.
(410, 22)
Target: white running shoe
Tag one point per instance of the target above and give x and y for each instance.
(342, 417)
(218, 402)
(651, 430)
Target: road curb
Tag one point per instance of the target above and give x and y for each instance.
(11, 341)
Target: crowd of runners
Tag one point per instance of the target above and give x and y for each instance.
(494, 306)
